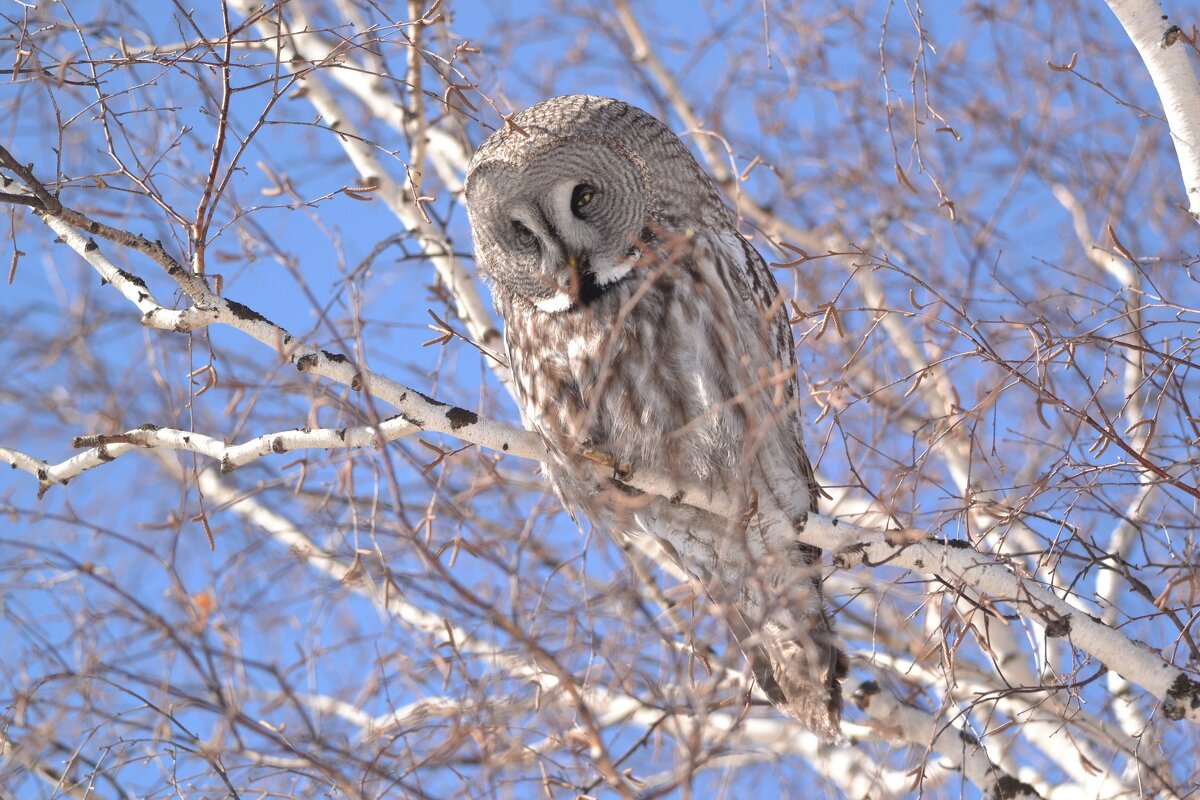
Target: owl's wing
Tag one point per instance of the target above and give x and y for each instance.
(793, 649)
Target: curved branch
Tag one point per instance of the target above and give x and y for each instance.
(962, 748)
(103, 448)
(1161, 45)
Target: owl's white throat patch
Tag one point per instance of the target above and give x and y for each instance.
(555, 303)
(596, 280)
(610, 273)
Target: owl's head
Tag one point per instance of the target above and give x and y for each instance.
(565, 197)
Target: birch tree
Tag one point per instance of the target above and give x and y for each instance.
(273, 527)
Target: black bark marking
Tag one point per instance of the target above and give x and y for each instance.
(131, 278)
(428, 399)
(336, 358)
(245, 312)
(461, 417)
(1182, 697)
(1058, 628)
(1007, 787)
(864, 693)
(801, 554)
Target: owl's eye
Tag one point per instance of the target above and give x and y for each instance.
(580, 197)
(523, 235)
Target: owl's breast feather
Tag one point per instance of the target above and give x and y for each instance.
(639, 384)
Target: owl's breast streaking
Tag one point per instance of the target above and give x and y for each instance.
(656, 373)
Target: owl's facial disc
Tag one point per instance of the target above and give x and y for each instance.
(559, 226)
(589, 250)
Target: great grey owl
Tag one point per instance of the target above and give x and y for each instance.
(646, 334)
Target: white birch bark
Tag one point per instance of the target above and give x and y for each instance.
(1165, 53)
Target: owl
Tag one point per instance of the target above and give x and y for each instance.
(646, 334)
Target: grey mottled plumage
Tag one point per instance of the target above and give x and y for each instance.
(644, 331)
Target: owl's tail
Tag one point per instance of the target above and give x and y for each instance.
(768, 590)
(786, 634)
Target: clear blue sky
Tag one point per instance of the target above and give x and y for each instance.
(156, 560)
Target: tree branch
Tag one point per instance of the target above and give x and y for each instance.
(1165, 54)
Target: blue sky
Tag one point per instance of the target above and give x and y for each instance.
(134, 523)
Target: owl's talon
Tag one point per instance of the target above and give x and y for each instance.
(603, 459)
